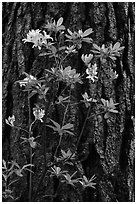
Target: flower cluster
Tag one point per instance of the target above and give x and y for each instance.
(91, 71)
(87, 58)
(69, 76)
(38, 113)
(70, 49)
(37, 38)
(88, 183)
(29, 80)
(10, 121)
(88, 100)
(31, 141)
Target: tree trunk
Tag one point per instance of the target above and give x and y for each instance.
(105, 149)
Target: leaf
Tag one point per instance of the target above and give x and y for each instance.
(67, 131)
(113, 111)
(87, 40)
(27, 165)
(4, 164)
(32, 94)
(107, 115)
(68, 36)
(56, 124)
(44, 53)
(60, 21)
(116, 46)
(69, 31)
(113, 58)
(103, 101)
(46, 90)
(62, 27)
(67, 126)
(62, 48)
(54, 128)
(121, 48)
(96, 47)
(87, 32)
(53, 49)
(5, 177)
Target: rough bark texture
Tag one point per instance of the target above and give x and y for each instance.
(106, 150)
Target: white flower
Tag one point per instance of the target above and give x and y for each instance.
(38, 113)
(87, 100)
(10, 121)
(45, 38)
(113, 74)
(27, 80)
(70, 49)
(92, 72)
(88, 183)
(31, 141)
(87, 58)
(86, 97)
(55, 170)
(34, 36)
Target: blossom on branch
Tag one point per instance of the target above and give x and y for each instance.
(92, 72)
(10, 121)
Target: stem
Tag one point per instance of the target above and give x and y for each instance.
(83, 128)
(96, 114)
(21, 129)
(30, 173)
(63, 59)
(66, 107)
(60, 139)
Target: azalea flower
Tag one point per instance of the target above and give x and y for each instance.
(88, 183)
(69, 75)
(113, 74)
(37, 38)
(87, 100)
(38, 113)
(69, 180)
(31, 141)
(10, 121)
(70, 49)
(56, 171)
(87, 58)
(92, 72)
(27, 80)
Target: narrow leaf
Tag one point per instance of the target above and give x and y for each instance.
(96, 47)
(67, 126)
(67, 131)
(60, 21)
(56, 124)
(116, 46)
(69, 31)
(87, 32)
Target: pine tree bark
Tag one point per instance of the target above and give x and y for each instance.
(106, 150)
